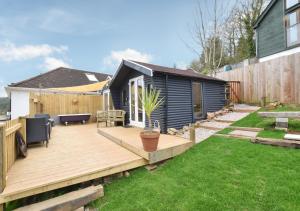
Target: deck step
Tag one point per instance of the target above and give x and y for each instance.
(129, 138)
(68, 201)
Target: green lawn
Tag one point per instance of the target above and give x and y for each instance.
(225, 131)
(254, 120)
(218, 174)
(277, 134)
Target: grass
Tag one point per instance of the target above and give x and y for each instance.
(276, 134)
(254, 120)
(218, 174)
(225, 131)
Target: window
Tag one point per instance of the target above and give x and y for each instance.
(293, 28)
(91, 77)
(197, 100)
(149, 88)
(124, 98)
(290, 3)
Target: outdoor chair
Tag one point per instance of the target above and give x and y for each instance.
(101, 117)
(111, 116)
(47, 116)
(37, 130)
(116, 116)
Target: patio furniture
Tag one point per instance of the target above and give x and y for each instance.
(111, 116)
(37, 130)
(101, 117)
(47, 116)
(116, 116)
(67, 118)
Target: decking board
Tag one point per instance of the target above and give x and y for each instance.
(168, 146)
(75, 154)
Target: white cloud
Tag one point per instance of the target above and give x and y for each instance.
(60, 21)
(115, 57)
(2, 90)
(10, 52)
(51, 63)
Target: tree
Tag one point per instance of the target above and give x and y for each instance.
(250, 11)
(207, 35)
(229, 38)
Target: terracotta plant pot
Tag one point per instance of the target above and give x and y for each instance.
(150, 140)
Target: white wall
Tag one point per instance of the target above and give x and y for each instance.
(19, 104)
(283, 53)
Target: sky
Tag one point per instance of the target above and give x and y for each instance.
(94, 35)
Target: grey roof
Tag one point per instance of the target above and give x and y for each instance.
(60, 77)
(175, 71)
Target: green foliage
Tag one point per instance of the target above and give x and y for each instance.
(150, 100)
(217, 174)
(225, 131)
(4, 105)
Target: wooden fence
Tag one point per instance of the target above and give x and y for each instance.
(273, 80)
(8, 146)
(234, 90)
(57, 103)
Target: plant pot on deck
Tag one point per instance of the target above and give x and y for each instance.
(150, 140)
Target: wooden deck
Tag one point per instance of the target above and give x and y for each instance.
(129, 138)
(75, 154)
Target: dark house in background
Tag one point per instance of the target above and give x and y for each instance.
(62, 77)
(278, 30)
(188, 95)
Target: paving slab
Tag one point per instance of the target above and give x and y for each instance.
(232, 116)
(201, 134)
(292, 137)
(215, 124)
(245, 133)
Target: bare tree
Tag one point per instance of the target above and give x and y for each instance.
(208, 34)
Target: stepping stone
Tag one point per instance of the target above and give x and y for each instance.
(250, 134)
(282, 122)
(232, 117)
(214, 125)
(245, 108)
(292, 137)
(201, 134)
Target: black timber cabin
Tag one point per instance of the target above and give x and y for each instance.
(277, 29)
(188, 95)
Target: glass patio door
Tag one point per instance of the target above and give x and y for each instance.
(197, 100)
(136, 110)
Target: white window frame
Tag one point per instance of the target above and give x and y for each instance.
(136, 123)
(107, 91)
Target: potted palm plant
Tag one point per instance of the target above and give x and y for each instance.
(150, 103)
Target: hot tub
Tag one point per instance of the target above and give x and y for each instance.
(67, 118)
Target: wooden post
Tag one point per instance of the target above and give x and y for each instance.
(192, 134)
(22, 120)
(2, 162)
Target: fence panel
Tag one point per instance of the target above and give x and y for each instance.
(273, 80)
(55, 104)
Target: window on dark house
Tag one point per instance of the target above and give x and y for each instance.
(124, 98)
(293, 28)
(290, 3)
(149, 87)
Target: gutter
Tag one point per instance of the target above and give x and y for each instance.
(9, 89)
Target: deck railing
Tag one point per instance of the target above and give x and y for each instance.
(8, 145)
